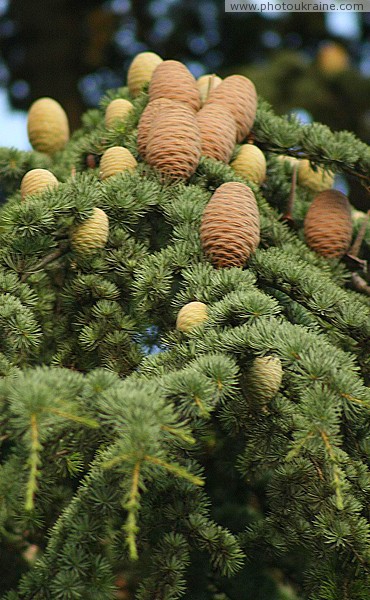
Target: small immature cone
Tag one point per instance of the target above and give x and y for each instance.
(191, 315)
(328, 224)
(317, 181)
(174, 146)
(230, 227)
(217, 132)
(173, 80)
(36, 181)
(206, 83)
(147, 118)
(263, 379)
(116, 160)
(250, 163)
(117, 110)
(47, 126)
(141, 71)
(92, 234)
(239, 95)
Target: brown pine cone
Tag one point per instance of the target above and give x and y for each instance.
(147, 118)
(217, 132)
(328, 224)
(239, 95)
(230, 227)
(172, 80)
(174, 143)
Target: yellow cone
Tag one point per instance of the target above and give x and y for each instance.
(117, 110)
(317, 181)
(141, 70)
(116, 160)
(206, 83)
(47, 126)
(250, 163)
(92, 234)
(36, 181)
(191, 315)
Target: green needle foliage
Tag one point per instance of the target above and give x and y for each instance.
(133, 459)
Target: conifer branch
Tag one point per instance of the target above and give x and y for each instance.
(60, 251)
(132, 505)
(175, 469)
(355, 248)
(34, 462)
(336, 472)
(82, 420)
(189, 439)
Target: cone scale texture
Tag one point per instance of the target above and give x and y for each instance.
(239, 95)
(230, 227)
(263, 379)
(47, 126)
(174, 147)
(116, 160)
(217, 132)
(147, 119)
(141, 70)
(36, 181)
(250, 163)
(191, 315)
(92, 234)
(173, 80)
(328, 224)
(117, 110)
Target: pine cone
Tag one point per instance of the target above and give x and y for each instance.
(36, 181)
(328, 224)
(230, 228)
(206, 83)
(117, 110)
(174, 143)
(116, 160)
(250, 163)
(239, 95)
(191, 315)
(263, 379)
(141, 70)
(217, 132)
(173, 80)
(47, 126)
(92, 234)
(147, 118)
(317, 181)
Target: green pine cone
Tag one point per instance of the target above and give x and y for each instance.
(92, 234)
(264, 378)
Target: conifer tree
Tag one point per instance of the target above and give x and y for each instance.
(184, 373)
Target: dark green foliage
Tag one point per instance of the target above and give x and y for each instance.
(160, 468)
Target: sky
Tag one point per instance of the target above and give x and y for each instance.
(13, 125)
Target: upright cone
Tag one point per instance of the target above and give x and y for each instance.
(328, 224)
(230, 227)
(117, 110)
(217, 132)
(250, 163)
(47, 126)
(174, 147)
(173, 80)
(116, 160)
(141, 70)
(239, 95)
(191, 315)
(317, 181)
(92, 234)
(264, 378)
(147, 118)
(36, 181)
